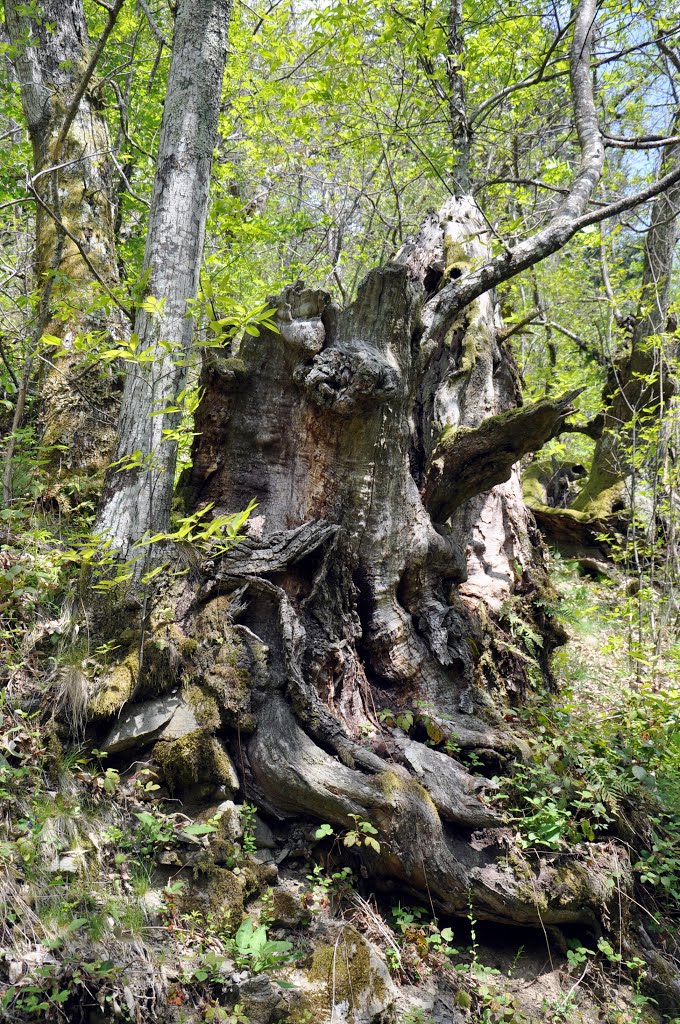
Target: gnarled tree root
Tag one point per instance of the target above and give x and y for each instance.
(294, 775)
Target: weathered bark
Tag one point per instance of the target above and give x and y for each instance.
(641, 385)
(137, 501)
(368, 588)
(74, 227)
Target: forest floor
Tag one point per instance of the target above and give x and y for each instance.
(120, 903)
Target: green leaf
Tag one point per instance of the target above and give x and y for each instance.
(198, 829)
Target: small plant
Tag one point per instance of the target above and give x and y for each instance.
(251, 948)
(362, 834)
(247, 814)
(402, 719)
(413, 927)
(326, 887)
(416, 1016)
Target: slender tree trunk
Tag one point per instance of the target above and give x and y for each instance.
(137, 501)
(73, 192)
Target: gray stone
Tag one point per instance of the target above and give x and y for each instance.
(231, 825)
(141, 723)
(372, 994)
(261, 1000)
(182, 722)
(264, 837)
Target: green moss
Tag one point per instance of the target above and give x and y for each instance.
(406, 791)
(287, 909)
(217, 891)
(533, 489)
(307, 1008)
(345, 968)
(116, 689)
(196, 757)
(475, 340)
(204, 706)
(455, 256)
(463, 999)
(573, 884)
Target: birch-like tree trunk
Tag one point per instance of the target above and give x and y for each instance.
(73, 192)
(137, 501)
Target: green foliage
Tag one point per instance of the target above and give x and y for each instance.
(247, 813)
(416, 929)
(362, 835)
(252, 949)
(329, 888)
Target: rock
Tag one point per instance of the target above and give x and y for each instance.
(16, 969)
(287, 908)
(182, 722)
(141, 723)
(264, 857)
(346, 964)
(169, 857)
(231, 825)
(153, 905)
(261, 1000)
(70, 865)
(264, 837)
(196, 758)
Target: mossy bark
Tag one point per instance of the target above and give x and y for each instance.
(73, 190)
(641, 384)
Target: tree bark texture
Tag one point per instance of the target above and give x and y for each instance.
(641, 385)
(74, 197)
(138, 500)
(390, 533)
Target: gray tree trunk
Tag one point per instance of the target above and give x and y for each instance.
(137, 501)
(78, 407)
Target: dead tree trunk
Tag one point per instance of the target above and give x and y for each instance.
(389, 534)
(641, 385)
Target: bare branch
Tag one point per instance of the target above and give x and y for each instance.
(592, 428)
(570, 217)
(578, 340)
(535, 79)
(520, 325)
(671, 54)
(644, 142)
(609, 291)
(155, 30)
(459, 292)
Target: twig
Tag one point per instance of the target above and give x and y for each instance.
(609, 291)
(516, 328)
(28, 365)
(155, 31)
(644, 142)
(78, 244)
(3, 356)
